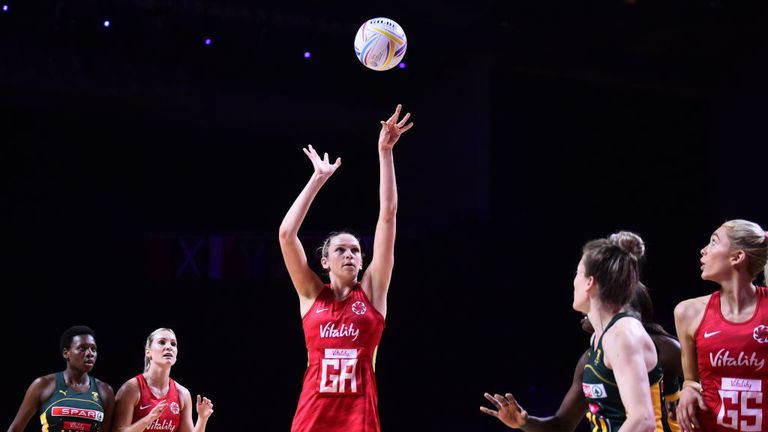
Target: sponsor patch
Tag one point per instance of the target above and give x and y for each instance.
(740, 384)
(594, 391)
(724, 358)
(77, 412)
(165, 425)
(339, 353)
(329, 330)
(76, 426)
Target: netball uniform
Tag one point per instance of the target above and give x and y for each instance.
(68, 411)
(339, 392)
(670, 388)
(732, 368)
(170, 419)
(606, 411)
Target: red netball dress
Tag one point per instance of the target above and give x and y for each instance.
(170, 419)
(339, 392)
(733, 368)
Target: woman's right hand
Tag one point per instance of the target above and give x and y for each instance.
(688, 409)
(509, 412)
(323, 167)
(156, 411)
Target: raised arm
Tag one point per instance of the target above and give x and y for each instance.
(571, 411)
(306, 282)
(204, 408)
(376, 278)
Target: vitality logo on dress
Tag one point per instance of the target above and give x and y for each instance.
(723, 358)
(329, 330)
(165, 425)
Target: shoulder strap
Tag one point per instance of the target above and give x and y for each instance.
(613, 320)
(60, 382)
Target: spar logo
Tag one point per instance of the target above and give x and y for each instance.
(77, 412)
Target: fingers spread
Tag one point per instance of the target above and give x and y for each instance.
(405, 119)
(492, 400)
(490, 412)
(396, 114)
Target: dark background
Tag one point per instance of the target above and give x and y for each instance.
(538, 126)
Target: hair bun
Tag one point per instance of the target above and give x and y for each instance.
(629, 242)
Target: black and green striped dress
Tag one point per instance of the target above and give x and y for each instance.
(69, 411)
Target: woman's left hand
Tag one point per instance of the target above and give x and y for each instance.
(508, 411)
(204, 407)
(392, 129)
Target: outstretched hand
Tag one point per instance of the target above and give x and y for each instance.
(392, 129)
(323, 167)
(509, 412)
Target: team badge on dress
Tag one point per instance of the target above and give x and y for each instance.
(594, 391)
(358, 307)
(761, 334)
(95, 395)
(174, 407)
